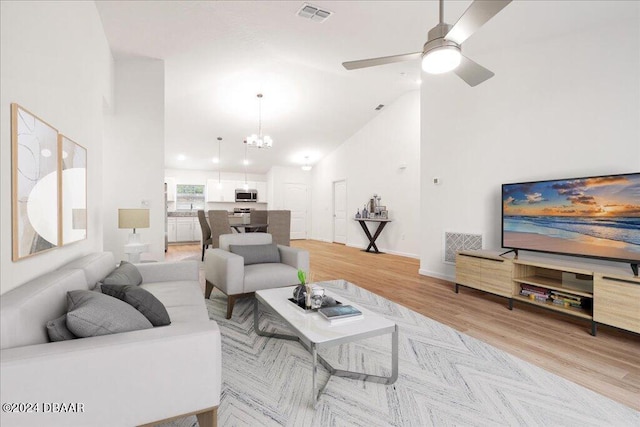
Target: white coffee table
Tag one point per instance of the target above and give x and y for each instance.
(314, 332)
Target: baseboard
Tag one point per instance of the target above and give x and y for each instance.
(387, 251)
(446, 277)
(319, 240)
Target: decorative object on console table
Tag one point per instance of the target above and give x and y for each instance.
(134, 218)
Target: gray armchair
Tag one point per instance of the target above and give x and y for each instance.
(238, 276)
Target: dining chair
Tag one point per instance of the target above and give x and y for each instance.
(259, 217)
(206, 231)
(279, 225)
(219, 222)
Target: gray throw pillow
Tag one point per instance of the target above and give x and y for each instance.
(125, 274)
(58, 331)
(91, 314)
(257, 254)
(142, 300)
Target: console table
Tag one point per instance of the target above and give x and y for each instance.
(372, 239)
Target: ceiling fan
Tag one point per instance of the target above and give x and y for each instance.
(442, 51)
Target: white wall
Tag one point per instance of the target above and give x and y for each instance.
(134, 154)
(55, 62)
(560, 108)
(383, 158)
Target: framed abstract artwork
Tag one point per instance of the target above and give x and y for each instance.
(35, 186)
(73, 190)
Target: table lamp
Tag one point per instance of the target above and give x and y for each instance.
(133, 218)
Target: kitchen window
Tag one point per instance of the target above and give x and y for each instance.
(189, 197)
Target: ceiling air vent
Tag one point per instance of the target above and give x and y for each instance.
(379, 107)
(313, 12)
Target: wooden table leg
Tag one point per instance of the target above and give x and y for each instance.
(375, 236)
(372, 239)
(368, 234)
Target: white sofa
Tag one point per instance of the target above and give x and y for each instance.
(227, 271)
(126, 379)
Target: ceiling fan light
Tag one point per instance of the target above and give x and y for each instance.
(441, 59)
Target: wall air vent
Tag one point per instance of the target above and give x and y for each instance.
(314, 13)
(379, 107)
(454, 242)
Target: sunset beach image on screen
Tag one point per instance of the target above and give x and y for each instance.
(595, 217)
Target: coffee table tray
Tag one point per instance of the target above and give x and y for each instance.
(306, 310)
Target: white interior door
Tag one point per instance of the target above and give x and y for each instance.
(340, 212)
(295, 200)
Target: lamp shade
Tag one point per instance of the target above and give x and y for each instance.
(133, 218)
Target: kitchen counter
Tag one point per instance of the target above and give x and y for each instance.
(187, 214)
(182, 214)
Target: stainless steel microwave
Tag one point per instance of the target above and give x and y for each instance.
(246, 195)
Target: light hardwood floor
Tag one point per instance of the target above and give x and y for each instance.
(608, 363)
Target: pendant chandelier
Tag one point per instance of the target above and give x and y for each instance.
(259, 140)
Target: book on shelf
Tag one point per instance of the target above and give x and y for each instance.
(339, 312)
(568, 296)
(536, 297)
(568, 299)
(570, 303)
(532, 288)
(527, 292)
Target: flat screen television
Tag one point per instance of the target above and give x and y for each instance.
(597, 217)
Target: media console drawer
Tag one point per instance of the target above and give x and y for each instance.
(485, 272)
(616, 302)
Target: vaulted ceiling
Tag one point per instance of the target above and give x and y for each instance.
(220, 54)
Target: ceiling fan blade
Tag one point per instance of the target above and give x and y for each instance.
(363, 63)
(471, 72)
(475, 17)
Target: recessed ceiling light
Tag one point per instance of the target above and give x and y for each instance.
(215, 160)
(418, 81)
(46, 152)
(245, 162)
(182, 157)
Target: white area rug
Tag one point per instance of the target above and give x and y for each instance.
(446, 378)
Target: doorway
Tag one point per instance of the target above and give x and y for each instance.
(340, 212)
(295, 200)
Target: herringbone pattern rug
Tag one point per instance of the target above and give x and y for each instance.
(446, 378)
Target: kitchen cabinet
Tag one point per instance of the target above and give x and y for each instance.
(183, 229)
(197, 230)
(172, 236)
(262, 192)
(225, 192)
